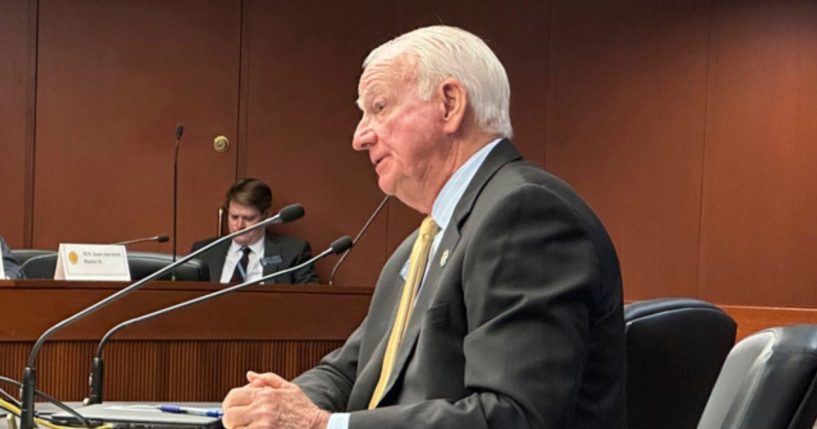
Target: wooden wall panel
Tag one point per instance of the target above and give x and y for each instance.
(114, 78)
(759, 242)
(17, 50)
(625, 127)
(162, 370)
(303, 64)
(188, 355)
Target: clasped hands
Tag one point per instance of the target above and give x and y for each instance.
(269, 401)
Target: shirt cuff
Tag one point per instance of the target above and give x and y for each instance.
(338, 421)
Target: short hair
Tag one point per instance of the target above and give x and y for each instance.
(250, 192)
(442, 51)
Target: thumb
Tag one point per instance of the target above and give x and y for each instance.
(266, 379)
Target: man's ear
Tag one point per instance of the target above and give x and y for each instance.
(454, 104)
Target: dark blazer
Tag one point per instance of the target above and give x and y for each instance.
(280, 252)
(520, 326)
(10, 265)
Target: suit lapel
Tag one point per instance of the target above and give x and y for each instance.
(271, 249)
(503, 153)
(216, 262)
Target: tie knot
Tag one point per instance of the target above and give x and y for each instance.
(429, 227)
(246, 251)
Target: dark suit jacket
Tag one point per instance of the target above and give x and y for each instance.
(521, 328)
(10, 265)
(280, 252)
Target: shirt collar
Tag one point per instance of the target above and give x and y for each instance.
(451, 193)
(257, 247)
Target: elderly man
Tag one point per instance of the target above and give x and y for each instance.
(504, 310)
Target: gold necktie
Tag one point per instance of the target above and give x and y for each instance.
(417, 267)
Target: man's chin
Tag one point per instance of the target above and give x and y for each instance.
(385, 185)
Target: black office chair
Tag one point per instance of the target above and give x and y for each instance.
(39, 264)
(141, 264)
(22, 255)
(769, 381)
(675, 348)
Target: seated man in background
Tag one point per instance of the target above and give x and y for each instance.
(11, 268)
(257, 253)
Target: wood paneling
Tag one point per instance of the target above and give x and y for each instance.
(686, 125)
(195, 354)
(162, 370)
(17, 51)
(258, 312)
(751, 319)
(114, 78)
(626, 127)
(759, 242)
(303, 64)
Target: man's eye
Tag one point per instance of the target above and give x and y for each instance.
(379, 106)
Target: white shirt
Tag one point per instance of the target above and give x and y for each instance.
(254, 269)
(441, 211)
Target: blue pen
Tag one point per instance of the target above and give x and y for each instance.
(179, 409)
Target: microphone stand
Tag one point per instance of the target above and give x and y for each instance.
(179, 133)
(98, 367)
(286, 214)
(357, 237)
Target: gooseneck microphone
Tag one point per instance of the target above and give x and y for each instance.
(161, 238)
(179, 133)
(357, 237)
(287, 214)
(98, 368)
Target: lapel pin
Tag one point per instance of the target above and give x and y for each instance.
(444, 258)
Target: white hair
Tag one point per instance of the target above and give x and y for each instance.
(440, 52)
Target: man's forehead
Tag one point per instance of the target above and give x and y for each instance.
(384, 75)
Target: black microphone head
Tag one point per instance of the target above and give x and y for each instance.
(342, 244)
(291, 212)
(179, 131)
(162, 238)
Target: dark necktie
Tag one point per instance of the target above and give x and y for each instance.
(240, 272)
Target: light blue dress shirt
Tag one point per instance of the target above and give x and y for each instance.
(441, 211)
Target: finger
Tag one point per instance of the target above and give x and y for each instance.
(236, 417)
(239, 396)
(269, 379)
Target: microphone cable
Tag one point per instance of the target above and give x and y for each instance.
(13, 406)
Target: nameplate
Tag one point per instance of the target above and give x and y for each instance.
(103, 262)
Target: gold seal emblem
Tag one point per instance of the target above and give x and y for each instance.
(73, 257)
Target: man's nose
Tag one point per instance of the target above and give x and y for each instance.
(364, 137)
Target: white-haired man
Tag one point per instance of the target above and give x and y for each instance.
(503, 311)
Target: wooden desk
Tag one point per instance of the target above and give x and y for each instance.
(195, 354)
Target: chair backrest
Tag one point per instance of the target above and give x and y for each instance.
(40, 265)
(141, 264)
(675, 349)
(769, 381)
(22, 255)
